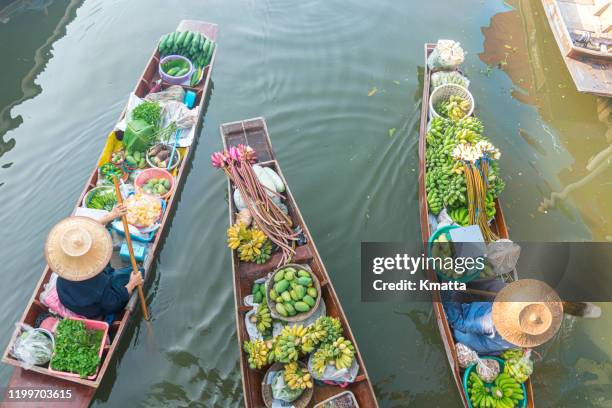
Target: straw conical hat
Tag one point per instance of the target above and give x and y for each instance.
(78, 248)
(527, 313)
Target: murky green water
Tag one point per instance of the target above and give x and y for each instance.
(308, 68)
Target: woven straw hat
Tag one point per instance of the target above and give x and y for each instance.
(527, 313)
(78, 248)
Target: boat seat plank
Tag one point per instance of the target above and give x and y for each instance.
(252, 271)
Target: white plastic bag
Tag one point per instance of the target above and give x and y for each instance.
(444, 219)
(331, 373)
(282, 394)
(503, 255)
(447, 55)
(465, 355)
(32, 346)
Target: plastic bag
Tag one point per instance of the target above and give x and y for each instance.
(33, 346)
(172, 93)
(448, 77)
(447, 55)
(465, 355)
(518, 364)
(331, 373)
(281, 391)
(503, 255)
(444, 219)
(487, 369)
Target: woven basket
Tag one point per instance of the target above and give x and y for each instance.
(300, 316)
(443, 92)
(266, 389)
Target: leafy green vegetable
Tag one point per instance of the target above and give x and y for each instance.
(102, 198)
(148, 111)
(76, 348)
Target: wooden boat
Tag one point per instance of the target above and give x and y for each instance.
(583, 32)
(498, 226)
(83, 390)
(254, 133)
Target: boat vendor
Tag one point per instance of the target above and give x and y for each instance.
(526, 313)
(78, 250)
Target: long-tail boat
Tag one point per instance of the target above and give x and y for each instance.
(83, 390)
(498, 226)
(583, 32)
(254, 133)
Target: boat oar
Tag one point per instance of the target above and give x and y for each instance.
(128, 239)
(580, 309)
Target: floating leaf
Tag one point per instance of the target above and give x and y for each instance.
(373, 91)
(392, 132)
(396, 82)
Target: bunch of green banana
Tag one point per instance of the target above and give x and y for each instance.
(259, 352)
(259, 292)
(193, 45)
(505, 393)
(512, 354)
(490, 205)
(340, 354)
(297, 377)
(326, 329)
(287, 345)
(471, 123)
(467, 136)
(460, 215)
(262, 320)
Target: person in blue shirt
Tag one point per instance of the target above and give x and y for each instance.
(525, 313)
(78, 250)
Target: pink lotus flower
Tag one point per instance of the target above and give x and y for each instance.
(247, 153)
(234, 154)
(218, 159)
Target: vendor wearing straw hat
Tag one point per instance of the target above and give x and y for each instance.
(525, 313)
(78, 250)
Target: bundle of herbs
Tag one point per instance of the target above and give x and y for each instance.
(76, 348)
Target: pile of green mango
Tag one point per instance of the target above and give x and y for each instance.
(292, 291)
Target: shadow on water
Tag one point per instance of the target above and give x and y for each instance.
(15, 22)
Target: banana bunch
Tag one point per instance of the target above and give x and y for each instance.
(297, 377)
(471, 123)
(259, 352)
(287, 345)
(437, 127)
(251, 243)
(506, 392)
(262, 319)
(490, 206)
(467, 136)
(460, 215)
(326, 329)
(457, 107)
(512, 354)
(340, 354)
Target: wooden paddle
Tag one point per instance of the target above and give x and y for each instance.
(580, 309)
(128, 239)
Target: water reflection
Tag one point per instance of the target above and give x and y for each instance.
(520, 43)
(20, 83)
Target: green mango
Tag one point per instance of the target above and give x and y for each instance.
(273, 294)
(294, 295)
(281, 286)
(308, 300)
(304, 281)
(281, 310)
(312, 292)
(257, 298)
(302, 307)
(280, 275)
(300, 291)
(290, 309)
(289, 275)
(303, 274)
(286, 296)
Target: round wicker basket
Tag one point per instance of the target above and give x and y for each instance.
(443, 92)
(266, 389)
(300, 316)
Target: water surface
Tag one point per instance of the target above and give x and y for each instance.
(308, 68)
